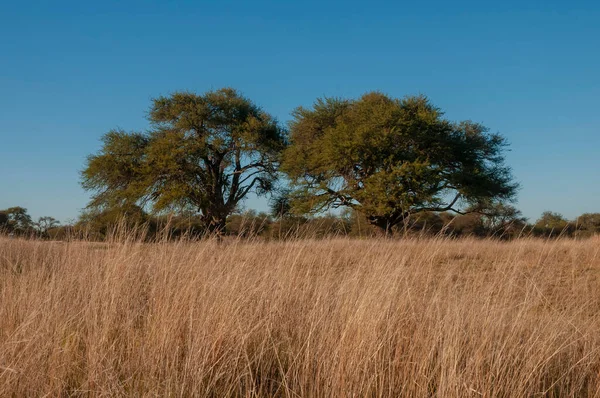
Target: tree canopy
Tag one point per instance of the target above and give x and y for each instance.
(45, 224)
(389, 158)
(553, 224)
(589, 224)
(203, 152)
(16, 220)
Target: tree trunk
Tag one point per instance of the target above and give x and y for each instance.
(215, 224)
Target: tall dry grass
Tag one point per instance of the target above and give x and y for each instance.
(300, 318)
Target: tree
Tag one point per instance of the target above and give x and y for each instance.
(44, 224)
(204, 152)
(588, 224)
(16, 220)
(553, 224)
(280, 205)
(503, 220)
(391, 158)
(498, 220)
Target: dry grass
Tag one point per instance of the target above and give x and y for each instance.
(302, 318)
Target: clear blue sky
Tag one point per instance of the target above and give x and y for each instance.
(70, 71)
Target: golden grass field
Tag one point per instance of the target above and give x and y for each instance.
(303, 318)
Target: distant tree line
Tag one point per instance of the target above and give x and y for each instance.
(507, 223)
(15, 221)
(504, 223)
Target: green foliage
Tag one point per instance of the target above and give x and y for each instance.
(115, 173)
(204, 153)
(552, 224)
(16, 220)
(390, 158)
(588, 224)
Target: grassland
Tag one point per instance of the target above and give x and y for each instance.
(301, 318)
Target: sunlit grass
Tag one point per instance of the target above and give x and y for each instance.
(435, 317)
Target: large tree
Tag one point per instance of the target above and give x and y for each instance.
(204, 152)
(390, 158)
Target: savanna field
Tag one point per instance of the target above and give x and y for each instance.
(300, 318)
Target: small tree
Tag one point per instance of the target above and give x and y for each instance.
(204, 152)
(503, 221)
(588, 224)
(44, 224)
(552, 224)
(492, 220)
(390, 158)
(280, 205)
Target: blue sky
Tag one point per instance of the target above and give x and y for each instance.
(70, 71)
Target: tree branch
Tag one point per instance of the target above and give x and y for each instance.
(446, 208)
(248, 167)
(244, 191)
(345, 201)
